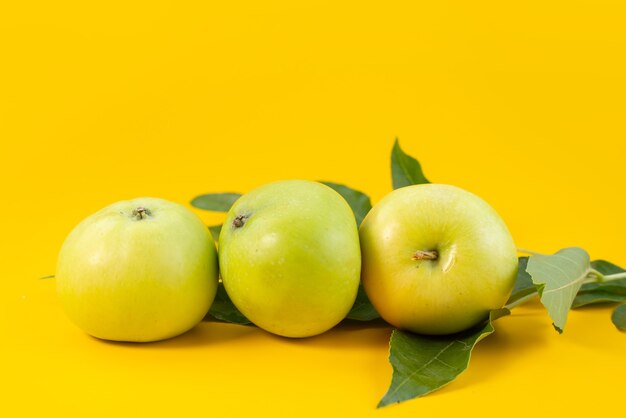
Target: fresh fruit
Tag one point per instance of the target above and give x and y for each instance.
(289, 257)
(436, 259)
(138, 270)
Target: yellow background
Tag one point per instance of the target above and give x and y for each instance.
(523, 104)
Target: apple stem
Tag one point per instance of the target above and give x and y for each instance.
(239, 221)
(141, 213)
(425, 255)
(521, 300)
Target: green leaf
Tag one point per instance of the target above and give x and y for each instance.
(558, 278)
(405, 170)
(606, 267)
(612, 293)
(217, 202)
(362, 310)
(224, 310)
(358, 201)
(602, 292)
(619, 317)
(215, 232)
(524, 285)
(422, 364)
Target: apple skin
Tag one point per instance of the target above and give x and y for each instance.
(290, 258)
(474, 271)
(124, 276)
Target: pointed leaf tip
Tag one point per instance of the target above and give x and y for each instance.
(405, 170)
(422, 363)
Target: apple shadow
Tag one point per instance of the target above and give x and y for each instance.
(348, 334)
(205, 333)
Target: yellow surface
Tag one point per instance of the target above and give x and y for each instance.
(522, 104)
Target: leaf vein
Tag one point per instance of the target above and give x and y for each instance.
(406, 380)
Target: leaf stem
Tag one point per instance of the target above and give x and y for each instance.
(521, 300)
(592, 276)
(526, 251)
(599, 277)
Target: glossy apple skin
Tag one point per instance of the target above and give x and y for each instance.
(123, 278)
(474, 273)
(292, 265)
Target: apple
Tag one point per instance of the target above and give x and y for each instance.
(138, 270)
(436, 259)
(290, 258)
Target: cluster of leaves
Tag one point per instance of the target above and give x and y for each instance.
(422, 364)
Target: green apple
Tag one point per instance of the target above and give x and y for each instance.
(289, 257)
(138, 270)
(436, 259)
